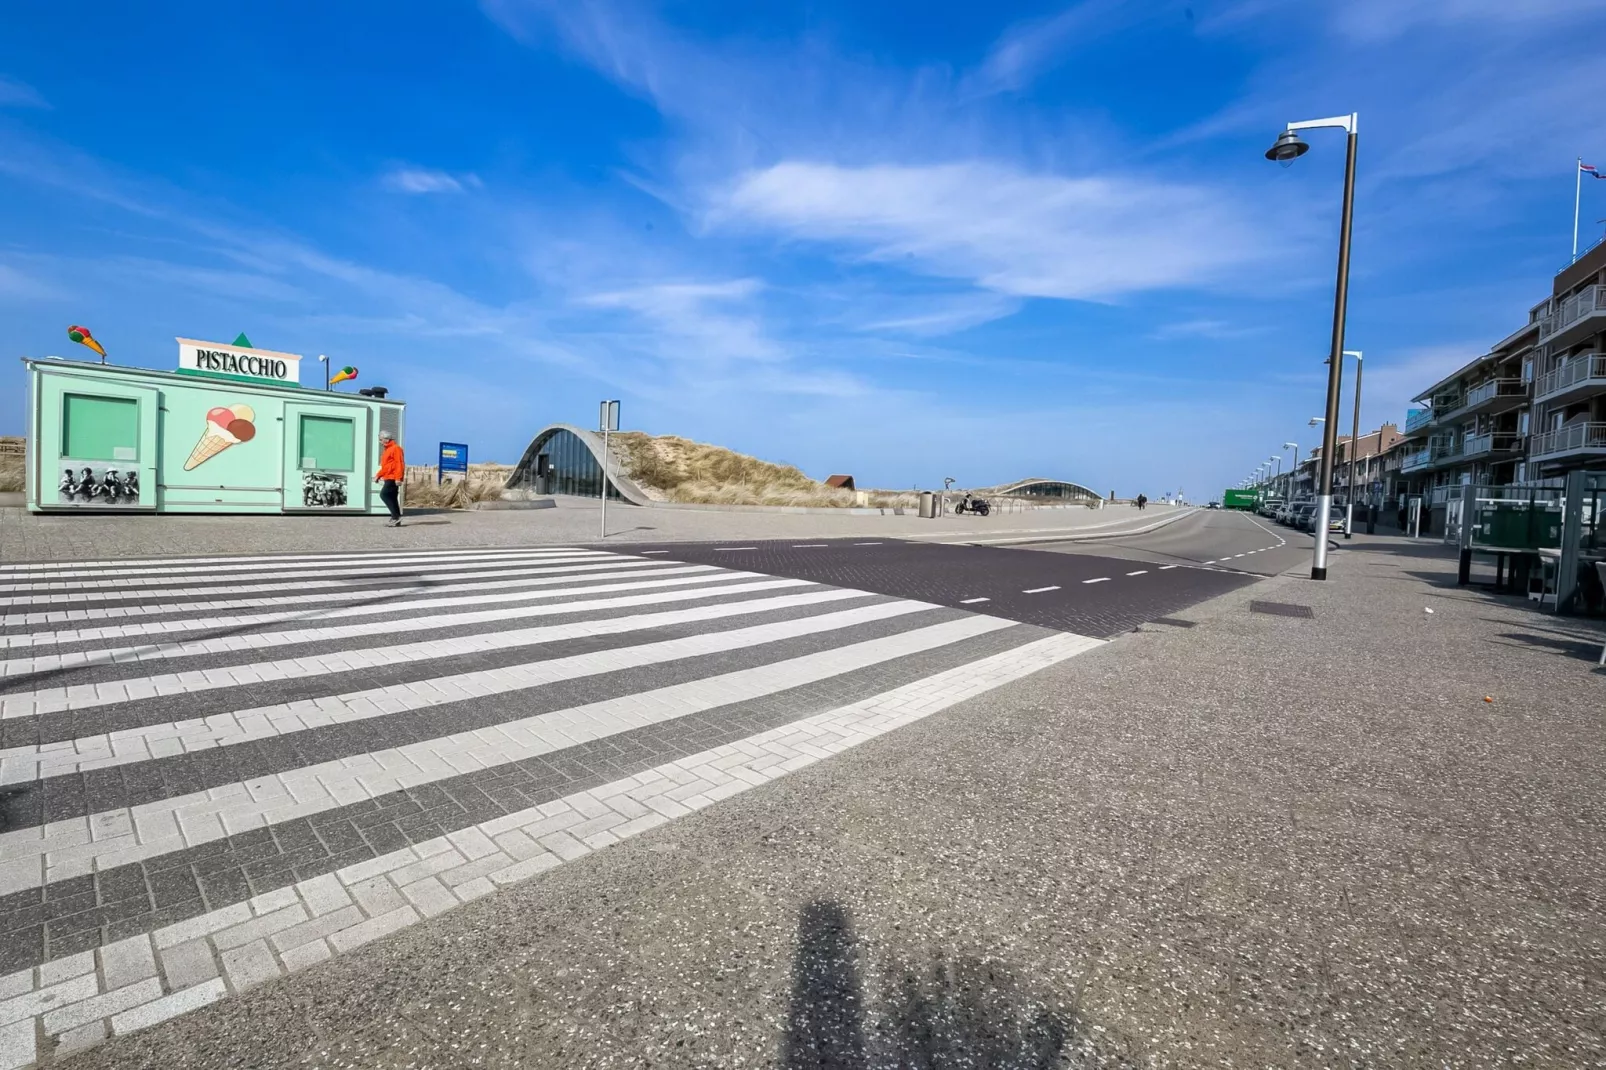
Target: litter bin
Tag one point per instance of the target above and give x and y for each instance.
(928, 505)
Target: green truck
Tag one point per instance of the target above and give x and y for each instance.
(1241, 499)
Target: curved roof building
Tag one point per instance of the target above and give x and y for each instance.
(563, 459)
(1045, 488)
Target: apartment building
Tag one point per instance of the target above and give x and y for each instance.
(1475, 423)
(1569, 390)
(1372, 455)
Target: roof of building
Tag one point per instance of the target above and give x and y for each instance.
(843, 482)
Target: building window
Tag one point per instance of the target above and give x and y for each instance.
(571, 467)
(99, 428)
(327, 442)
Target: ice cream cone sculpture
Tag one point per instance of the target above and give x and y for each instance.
(348, 372)
(225, 427)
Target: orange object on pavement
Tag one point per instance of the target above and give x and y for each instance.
(391, 465)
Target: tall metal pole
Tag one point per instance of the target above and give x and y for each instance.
(1324, 497)
(1354, 448)
(604, 470)
(1578, 191)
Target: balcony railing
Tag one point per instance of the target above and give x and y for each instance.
(1445, 405)
(1417, 419)
(1496, 388)
(1502, 442)
(1588, 369)
(1589, 300)
(1572, 439)
(1416, 460)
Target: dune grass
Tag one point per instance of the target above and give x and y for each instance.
(11, 463)
(673, 469)
(484, 484)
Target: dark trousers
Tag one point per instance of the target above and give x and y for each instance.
(387, 494)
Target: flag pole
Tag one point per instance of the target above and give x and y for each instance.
(1578, 190)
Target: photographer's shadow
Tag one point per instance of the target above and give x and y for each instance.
(964, 1013)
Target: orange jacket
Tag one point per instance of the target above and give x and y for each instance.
(391, 465)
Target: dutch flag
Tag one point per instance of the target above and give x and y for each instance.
(1590, 170)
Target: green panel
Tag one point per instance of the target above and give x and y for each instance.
(329, 443)
(99, 428)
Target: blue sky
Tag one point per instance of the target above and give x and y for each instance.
(902, 240)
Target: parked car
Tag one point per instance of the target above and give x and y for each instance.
(1212, 505)
(1301, 516)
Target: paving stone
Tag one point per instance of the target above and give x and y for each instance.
(101, 1006)
(373, 928)
(250, 964)
(189, 964)
(160, 1010)
(127, 961)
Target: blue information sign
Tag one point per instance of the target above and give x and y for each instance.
(454, 458)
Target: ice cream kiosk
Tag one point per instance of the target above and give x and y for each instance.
(230, 430)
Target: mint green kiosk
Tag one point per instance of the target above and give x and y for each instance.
(230, 430)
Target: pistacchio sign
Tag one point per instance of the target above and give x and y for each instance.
(236, 362)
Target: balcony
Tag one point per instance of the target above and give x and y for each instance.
(1577, 438)
(1417, 419)
(1448, 405)
(1576, 317)
(1417, 460)
(1496, 443)
(1579, 377)
(1497, 395)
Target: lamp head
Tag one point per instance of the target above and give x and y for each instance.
(1287, 148)
(1314, 420)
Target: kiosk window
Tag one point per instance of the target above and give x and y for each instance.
(327, 442)
(99, 428)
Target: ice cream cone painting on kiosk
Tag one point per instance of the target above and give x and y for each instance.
(226, 426)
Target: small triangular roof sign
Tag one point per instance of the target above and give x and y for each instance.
(243, 342)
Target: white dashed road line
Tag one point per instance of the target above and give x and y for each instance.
(1101, 579)
(722, 549)
(1039, 590)
(1139, 572)
(973, 601)
(1164, 567)
(810, 545)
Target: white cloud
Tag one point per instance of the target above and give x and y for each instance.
(1206, 328)
(423, 180)
(1030, 235)
(15, 94)
(697, 321)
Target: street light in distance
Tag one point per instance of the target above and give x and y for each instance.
(1288, 148)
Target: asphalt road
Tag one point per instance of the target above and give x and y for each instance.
(1099, 589)
(1216, 538)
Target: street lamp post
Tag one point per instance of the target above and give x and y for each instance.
(1285, 151)
(1293, 467)
(1354, 448)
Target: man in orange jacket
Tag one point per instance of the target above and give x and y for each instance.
(392, 470)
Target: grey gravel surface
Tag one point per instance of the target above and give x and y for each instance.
(27, 537)
(1259, 841)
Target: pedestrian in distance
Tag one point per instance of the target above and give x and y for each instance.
(1143, 499)
(392, 470)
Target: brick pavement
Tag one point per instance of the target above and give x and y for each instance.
(217, 772)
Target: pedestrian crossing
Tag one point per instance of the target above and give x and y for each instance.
(218, 771)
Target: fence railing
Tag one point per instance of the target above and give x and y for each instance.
(1583, 303)
(1585, 436)
(1496, 388)
(1577, 370)
(1491, 442)
(1417, 419)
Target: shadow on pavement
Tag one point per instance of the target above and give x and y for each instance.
(1581, 648)
(964, 1013)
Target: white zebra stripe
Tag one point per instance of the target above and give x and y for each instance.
(472, 581)
(46, 567)
(37, 855)
(207, 646)
(91, 612)
(88, 696)
(22, 764)
(165, 628)
(130, 586)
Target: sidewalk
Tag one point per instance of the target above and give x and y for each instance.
(26, 537)
(1239, 839)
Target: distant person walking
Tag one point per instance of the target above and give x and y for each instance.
(392, 470)
(1143, 499)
